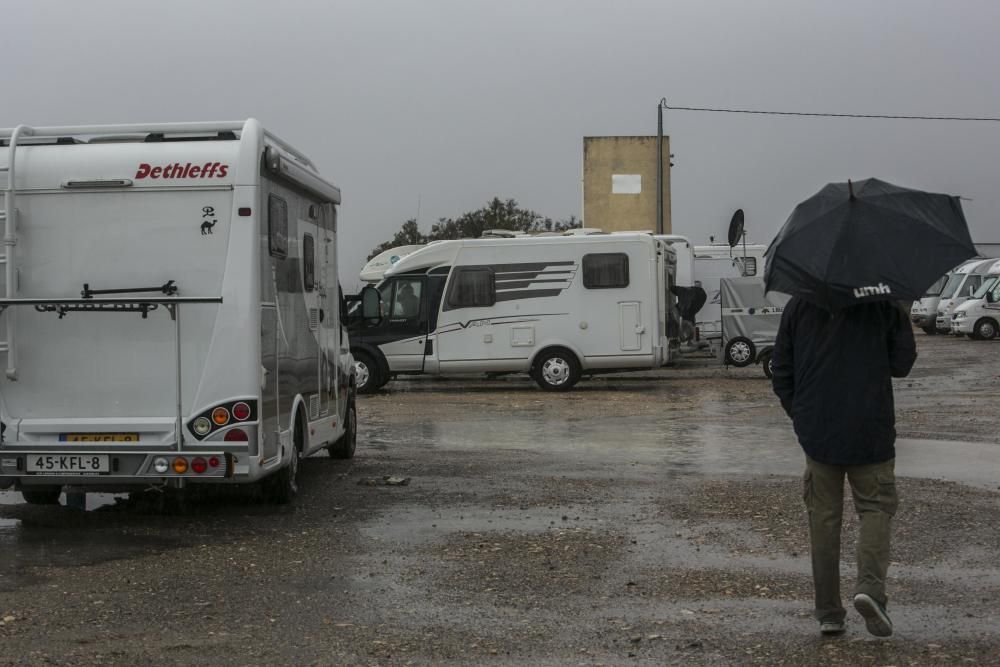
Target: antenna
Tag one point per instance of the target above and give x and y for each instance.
(737, 232)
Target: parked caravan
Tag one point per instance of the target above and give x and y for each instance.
(554, 307)
(750, 320)
(979, 316)
(171, 314)
(962, 284)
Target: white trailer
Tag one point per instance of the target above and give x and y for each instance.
(171, 313)
(555, 307)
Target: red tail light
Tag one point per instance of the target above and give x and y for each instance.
(199, 465)
(214, 461)
(241, 411)
(236, 435)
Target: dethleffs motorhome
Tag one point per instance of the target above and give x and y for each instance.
(555, 307)
(171, 312)
(979, 317)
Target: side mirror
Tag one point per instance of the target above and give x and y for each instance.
(972, 290)
(371, 303)
(991, 297)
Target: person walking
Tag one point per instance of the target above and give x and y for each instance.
(833, 373)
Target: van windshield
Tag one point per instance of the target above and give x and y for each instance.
(988, 284)
(935, 289)
(955, 281)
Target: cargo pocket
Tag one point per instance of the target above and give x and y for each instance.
(807, 489)
(888, 501)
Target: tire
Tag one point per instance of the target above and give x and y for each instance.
(556, 370)
(343, 447)
(42, 495)
(765, 364)
(740, 352)
(985, 329)
(930, 331)
(367, 374)
(282, 487)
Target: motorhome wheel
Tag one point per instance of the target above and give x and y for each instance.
(366, 372)
(557, 370)
(42, 495)
(765, 363)
(344, 447)
(985, 329)
(740, 352)
(283, 486)
(930, 331)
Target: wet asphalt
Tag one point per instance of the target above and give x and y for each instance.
(651, 518)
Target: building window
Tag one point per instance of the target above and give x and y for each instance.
(472, 288)
(277, 226)
(308, 262)
(605, 270)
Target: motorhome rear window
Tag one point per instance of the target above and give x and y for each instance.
(277, 226)
(308, 262)
(605, 270)
(472, 288)
(748, 266)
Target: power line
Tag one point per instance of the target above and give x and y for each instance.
(980, 119)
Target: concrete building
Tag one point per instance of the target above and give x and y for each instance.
(619, 183)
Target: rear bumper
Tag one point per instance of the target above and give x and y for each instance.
(25, 466)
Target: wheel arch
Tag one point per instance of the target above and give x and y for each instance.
(555, 345)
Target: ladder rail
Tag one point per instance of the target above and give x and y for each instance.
(9, 244)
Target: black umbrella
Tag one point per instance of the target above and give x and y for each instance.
(867, 241)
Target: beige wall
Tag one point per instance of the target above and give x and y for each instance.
(626, 158)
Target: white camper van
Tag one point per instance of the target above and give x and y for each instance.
(706, 266)
(962, 284)
(923, 312)
(171, 313)
(556, 307)
(979, 317)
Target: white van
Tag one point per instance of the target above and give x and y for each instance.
(171, 314)
(979, 317)
(962, 284)
(923, 312)
(556, 307)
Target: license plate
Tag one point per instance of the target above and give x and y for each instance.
(99, 437)
(68, 463)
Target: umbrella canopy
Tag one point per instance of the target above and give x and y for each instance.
(867, 241)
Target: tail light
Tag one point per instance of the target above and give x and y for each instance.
(180, 465)
(219, 417)
(236, 435)
(199, 465)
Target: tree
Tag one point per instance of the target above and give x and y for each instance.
(497, 214)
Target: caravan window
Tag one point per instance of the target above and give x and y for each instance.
(472, 287)
(747, 266)
(308, 262)
(605, 270)
(277, 226)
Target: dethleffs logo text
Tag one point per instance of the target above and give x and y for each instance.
(186, 170)
(871, 290)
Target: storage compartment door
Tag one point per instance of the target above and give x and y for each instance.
(629, 317)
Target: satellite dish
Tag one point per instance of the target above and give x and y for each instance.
(736, 228)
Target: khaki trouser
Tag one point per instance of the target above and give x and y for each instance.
(874, 489)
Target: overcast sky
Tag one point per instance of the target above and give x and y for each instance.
(447, 103)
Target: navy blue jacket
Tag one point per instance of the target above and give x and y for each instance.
(833, 374)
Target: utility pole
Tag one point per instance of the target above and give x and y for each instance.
(659, 165)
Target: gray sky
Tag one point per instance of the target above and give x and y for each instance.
(452, 102)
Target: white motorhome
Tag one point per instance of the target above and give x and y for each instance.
(171, 313)
(375, 269)
(961, 285)
(706, 266)
(923, 312)
(979, 317)
(556, 307)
